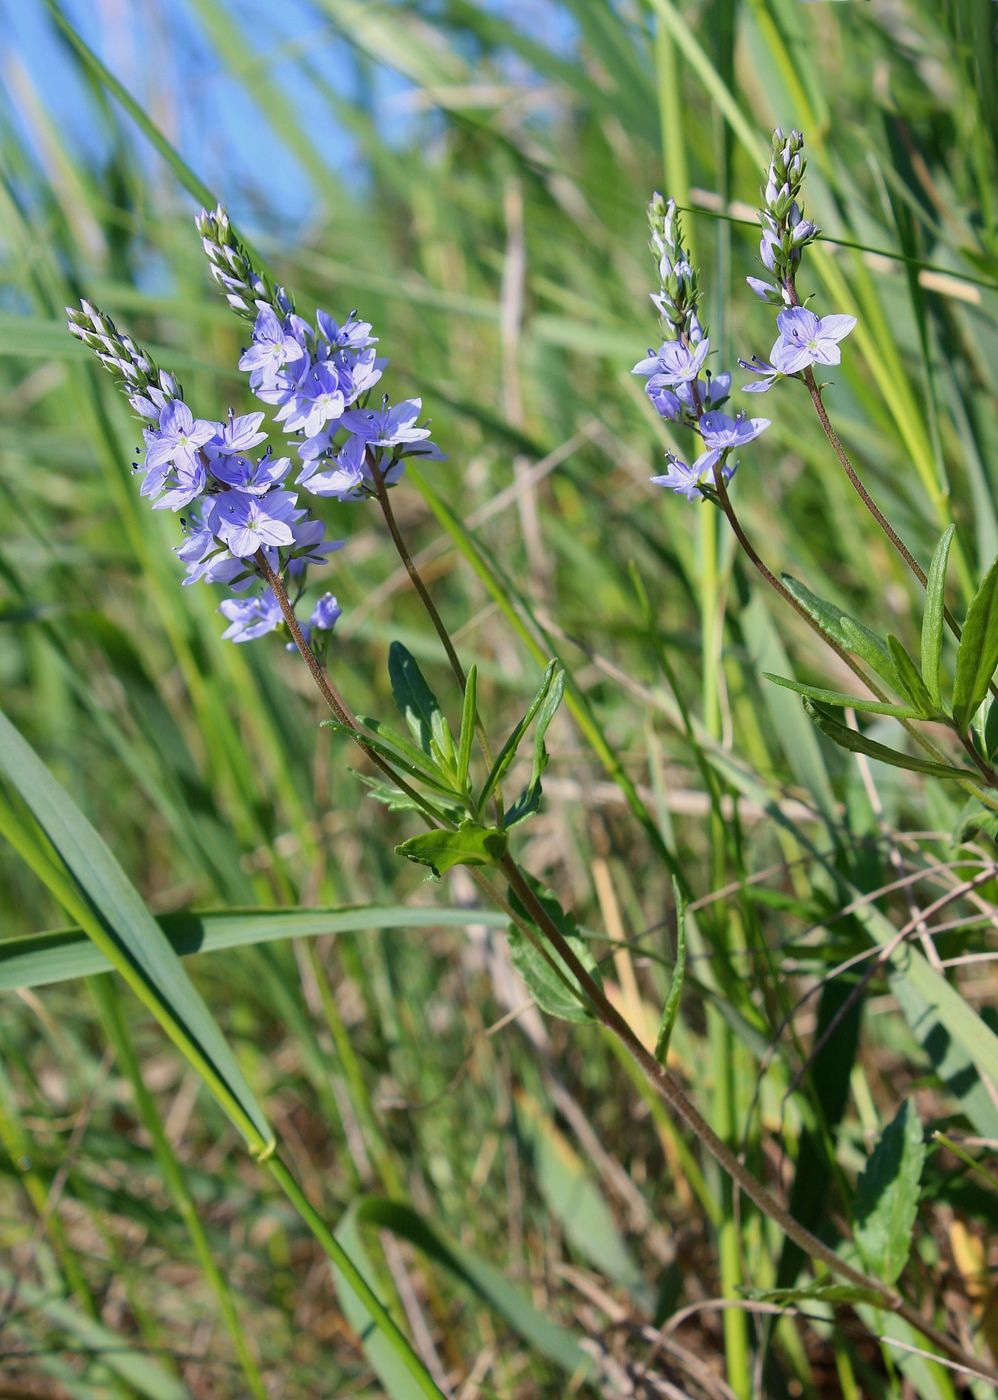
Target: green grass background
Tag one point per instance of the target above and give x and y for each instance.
(497, 240)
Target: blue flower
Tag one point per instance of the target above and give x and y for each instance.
(238, 435)
(274, 345)
(387, 426)
(685, 480)
(345, 475)
(319, 396)
(674, 363)
(178, 438)
(759, 366)
(250, 617)
(255, 478)
(245, 523)
(804, 340)
(352, 335)
(719, 430)
(326, 613)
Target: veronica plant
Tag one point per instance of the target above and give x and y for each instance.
(248, 530)
(683, 391)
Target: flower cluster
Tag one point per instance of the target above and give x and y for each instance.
(237, 514)
(319, 379)
(242, 522)
(802, 340)
(785, 231)
(680, 387)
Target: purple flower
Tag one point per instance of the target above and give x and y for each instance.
(719, 430)
(250, 617)
(245, 523)
(255, 478)
(674, 363)
(325, 613)
(667, 403)
(804, 340)
(179, 437)
(346, 475)
(352, 335)
(685, 480)
(758, 366)
(185, 483)
(320, 396)
(239, 435)
(387, 426)
(274, 345)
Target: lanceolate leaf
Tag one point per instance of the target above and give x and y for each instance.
(932, 618)
(551, 989)
(95, 890)
(671, 1009)
(843, 701)
(417, 702)
(977, 655)
(530, 798)
(508, 751)
(887, 1195)
(848, 738)
(910, 679)
(847, 631)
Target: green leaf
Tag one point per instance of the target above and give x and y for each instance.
(419, 706)
(671, 1008)
(977, 654)
(470, 844)
(551, 989)
(887, 1195)
(508, 751)
(848, 738)
(529, 799)
(975, 819)
(910, 679)
(932, 618)
(484, 1280)
(815, 1292)
(59, 955)
(469, 716)
(93, 888)
(855, 636)
(424, 772)
(840, 699)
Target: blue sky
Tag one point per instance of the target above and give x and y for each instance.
(160, 51)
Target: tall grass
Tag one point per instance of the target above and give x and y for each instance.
(532, 1218)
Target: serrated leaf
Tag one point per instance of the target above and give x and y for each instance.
(840, 699)
(932, 618)
(549, 989)
(529, 799)
(887, 1195)
(671, 1008)
(910, 679)
(398, 801)
(850, 739)
(508, 751)
(977, 654)
(418, 705)
(855, 636)
(470, 844)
